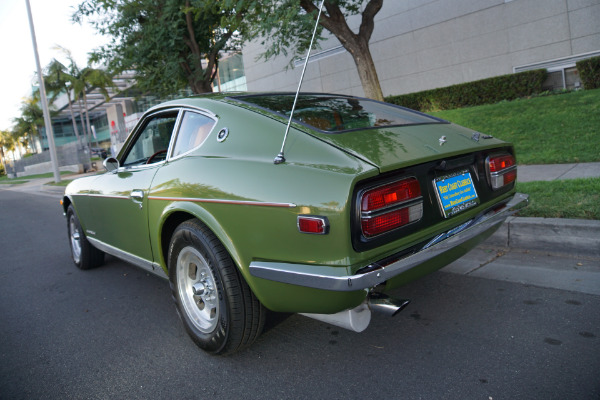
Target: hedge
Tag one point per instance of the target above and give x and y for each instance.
(485, 91)
(589, 71)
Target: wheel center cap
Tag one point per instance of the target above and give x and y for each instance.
(198, 288)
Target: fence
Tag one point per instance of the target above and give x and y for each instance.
(70, 157)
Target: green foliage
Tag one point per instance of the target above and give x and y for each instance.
(485, 91)
(164, 41)
(562, 128)
(167, 41)
(285, 27)
(2, 171)
(589, 71)
(573, 198)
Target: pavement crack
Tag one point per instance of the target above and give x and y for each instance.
(499, 253)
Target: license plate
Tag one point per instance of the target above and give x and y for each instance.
(456, 192)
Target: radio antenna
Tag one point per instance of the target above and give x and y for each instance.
(280, 157)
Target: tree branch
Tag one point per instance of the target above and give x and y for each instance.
(367, 24)
(192, 43)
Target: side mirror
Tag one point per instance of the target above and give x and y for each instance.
(111, 164)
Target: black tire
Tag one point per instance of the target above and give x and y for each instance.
(84, 255)
(217, 307)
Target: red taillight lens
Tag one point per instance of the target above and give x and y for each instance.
(386, 222)
(315, 225)
(499, 163)
(502, 170)
(389, 195)
(391, 206)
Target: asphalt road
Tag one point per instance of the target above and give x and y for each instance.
(113, 333)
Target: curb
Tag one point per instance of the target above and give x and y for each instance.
(53, 189)
(576, 237)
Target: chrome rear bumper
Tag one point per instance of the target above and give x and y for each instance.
(327, 279)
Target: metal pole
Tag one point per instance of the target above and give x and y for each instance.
(47, 120)
(281, 157)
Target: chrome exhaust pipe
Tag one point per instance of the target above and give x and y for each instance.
(358, 319)
(383, 304)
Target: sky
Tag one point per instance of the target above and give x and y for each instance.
(53, 26)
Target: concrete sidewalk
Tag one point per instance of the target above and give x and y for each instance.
(552, 172)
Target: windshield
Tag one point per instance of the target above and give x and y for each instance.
(338, 113)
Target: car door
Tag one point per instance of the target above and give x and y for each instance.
(121, 204)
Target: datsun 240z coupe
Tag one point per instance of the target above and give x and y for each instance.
(367, 197)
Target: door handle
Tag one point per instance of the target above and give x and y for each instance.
(137, 196)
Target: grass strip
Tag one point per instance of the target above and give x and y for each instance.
(572, 198)
(552, 129)
(63, 182)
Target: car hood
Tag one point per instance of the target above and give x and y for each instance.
(391, 148)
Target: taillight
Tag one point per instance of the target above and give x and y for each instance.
(314, 225)
(502, 170)
(390, 206)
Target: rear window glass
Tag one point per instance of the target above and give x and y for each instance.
(338, 113)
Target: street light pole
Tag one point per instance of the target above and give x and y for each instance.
(47, 120)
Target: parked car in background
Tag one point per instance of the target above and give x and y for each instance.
(99, 152)
(370, 196)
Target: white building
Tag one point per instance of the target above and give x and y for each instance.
(425, 44)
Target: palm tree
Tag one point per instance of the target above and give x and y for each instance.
(32, 117)
(6, 142)
(84, 80)
(94, 78)
(58, 80)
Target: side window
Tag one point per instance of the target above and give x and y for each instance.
(192, 132)
(152, 143)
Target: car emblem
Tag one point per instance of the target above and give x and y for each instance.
(476, 136)
(222, 135)
(442, 140)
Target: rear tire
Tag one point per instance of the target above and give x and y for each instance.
(84, 255)
(217, 307)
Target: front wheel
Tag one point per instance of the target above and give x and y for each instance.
(216, 305)
(84, 255)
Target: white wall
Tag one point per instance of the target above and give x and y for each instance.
(424, 44)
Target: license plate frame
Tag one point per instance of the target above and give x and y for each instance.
(455, 192)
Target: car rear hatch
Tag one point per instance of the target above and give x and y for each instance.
(395, 147)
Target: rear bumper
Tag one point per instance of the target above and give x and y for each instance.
(326, 279)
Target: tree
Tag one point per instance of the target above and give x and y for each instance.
(284, 26)
(80, 81)
(170, 44)
(27, 127)
(7, 142)
(88, 79)
(58, 80)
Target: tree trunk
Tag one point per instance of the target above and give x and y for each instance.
(200, 86)
(366, 71)
(81, 117)
(73, 117)
(87, 118)
(356, 44)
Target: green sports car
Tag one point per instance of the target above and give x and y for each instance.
(240, 214)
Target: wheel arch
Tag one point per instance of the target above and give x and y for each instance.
(179, 212)
(66, 202)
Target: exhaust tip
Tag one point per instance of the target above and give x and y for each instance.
(383, 304)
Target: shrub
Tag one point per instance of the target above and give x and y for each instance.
(485, 91)
(589, 71)
(2, 172)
